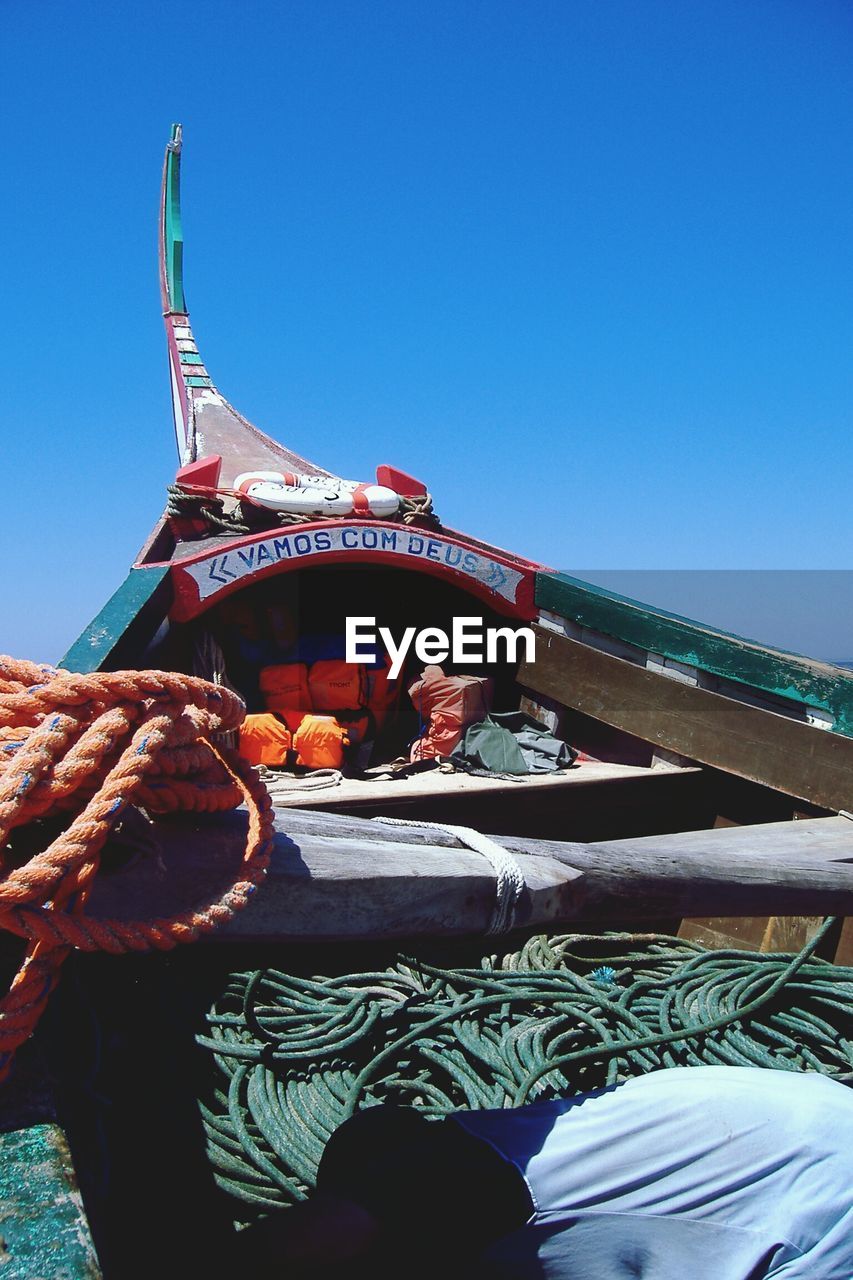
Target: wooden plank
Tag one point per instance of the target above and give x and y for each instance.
(722, 933)
(388, 792)
(125, 625)
(344, 878)
(593, 801)
(731, 657)
(44, 1231)
(43, 1228)
(844, 951)
(788, 755)
(827, 839)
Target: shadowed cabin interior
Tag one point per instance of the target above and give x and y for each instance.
(301, 616)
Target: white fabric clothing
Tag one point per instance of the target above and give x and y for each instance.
(694, 1173)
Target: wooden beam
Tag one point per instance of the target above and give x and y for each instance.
(347, 882)
(788, 755)
(338, 878)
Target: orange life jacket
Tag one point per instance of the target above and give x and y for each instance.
(358, 696)
(285, 688)
(335, 685)
(320, 742)
(264, 739)
(381, 693)
(449, 704)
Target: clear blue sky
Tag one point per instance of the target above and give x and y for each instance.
(584, 267)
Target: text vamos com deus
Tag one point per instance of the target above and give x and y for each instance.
(469, 641)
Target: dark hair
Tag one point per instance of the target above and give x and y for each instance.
(426, 1181)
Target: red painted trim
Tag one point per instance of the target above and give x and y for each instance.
(360, 503)
(203, 472)
(204, 579)
(400, 481)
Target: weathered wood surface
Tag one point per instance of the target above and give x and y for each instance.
(335, 877)
(125, 625)
(591, 801)
(798, 679)
(332, 877)
(788, 755)
(44, 1232)
(385, 792)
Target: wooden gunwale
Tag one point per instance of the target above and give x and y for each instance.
(812, 764)
(714, 655)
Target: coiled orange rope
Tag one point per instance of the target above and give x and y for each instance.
(92, 745)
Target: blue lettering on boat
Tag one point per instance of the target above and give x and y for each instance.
(221, 570)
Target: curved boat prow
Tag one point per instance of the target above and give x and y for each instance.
(205, 423)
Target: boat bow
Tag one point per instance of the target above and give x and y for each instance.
(205, 423)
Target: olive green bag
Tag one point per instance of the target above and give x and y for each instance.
(512, 742)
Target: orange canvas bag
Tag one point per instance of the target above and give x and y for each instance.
(448, 704)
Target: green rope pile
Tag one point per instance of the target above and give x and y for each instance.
(296, 1056)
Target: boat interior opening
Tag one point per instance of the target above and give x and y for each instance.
(300, 617)
(620, 785)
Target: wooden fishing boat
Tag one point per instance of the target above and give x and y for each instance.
(716, 742)
(713, 792)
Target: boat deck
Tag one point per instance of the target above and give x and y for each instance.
(388, 791)
(591, 800)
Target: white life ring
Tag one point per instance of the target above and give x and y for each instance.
(316, 495)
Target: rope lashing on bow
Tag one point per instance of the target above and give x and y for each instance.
(84, 747)
(203, 502)
(292, 1057)
(509, 877)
